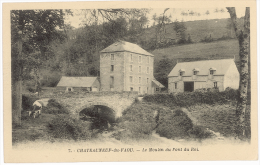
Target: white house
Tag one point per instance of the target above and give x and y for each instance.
(189, 76)
(78, 83)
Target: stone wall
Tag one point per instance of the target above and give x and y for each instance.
(75, 102)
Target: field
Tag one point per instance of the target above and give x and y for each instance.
(214, 50)
(198, 30)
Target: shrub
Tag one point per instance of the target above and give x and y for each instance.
(27, 102)
(138, 120)
(173, 124)
(65, 127)
(199, 132)
(207, 39)
(187, 99)
(53, 107)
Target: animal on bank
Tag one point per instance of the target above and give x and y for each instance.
(37, 108)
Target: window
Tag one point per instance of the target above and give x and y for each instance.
(148, 60)
(215, 84)
(131, 89)
(147, 69)
(131, 68)
(140, 59)
(112, 57)
(140, 69)
(211, 72)
(157, 89)
(111, 82)
(195, 72)
(112, 68)
(131, 57)
(131, 79)
(181, 73)
(175, 85)
(147, 80)
(139, 80)
(147, 90)
(139, 89)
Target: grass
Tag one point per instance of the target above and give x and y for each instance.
(32, 129)
(218, 118)
(214, 50)
(174, 124)
(197, 29)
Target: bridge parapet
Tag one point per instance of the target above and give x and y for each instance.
(117, 101)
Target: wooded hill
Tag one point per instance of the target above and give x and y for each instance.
(210, 39)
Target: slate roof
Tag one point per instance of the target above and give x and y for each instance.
(158, 83)
(221, 67)
(76, 81)
(121, 46)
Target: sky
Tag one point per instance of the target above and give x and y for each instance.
(200, 14)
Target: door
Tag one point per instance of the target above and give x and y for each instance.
(188, 86)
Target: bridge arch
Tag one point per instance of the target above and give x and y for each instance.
(103, 108)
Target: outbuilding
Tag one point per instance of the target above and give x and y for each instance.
(70, 84)
(189, 76)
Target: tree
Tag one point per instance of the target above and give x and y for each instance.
(191, 13)
(180, 29)
(207, 13)
(160, 30)
(31, 31)
(162, 69)
(243, 36)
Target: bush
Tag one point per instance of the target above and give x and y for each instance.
(65, 127)
(174, 124)
(138, 120)
(53, 107)
(187, 99)
(199, 132)
(27, 102)
(207, 39)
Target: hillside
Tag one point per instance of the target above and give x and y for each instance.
(198, 29)
(213, 50)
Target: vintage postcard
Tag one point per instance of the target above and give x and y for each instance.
(130, 81)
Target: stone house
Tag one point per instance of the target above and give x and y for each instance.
(78, 84)
(189, 76)
(125, 66)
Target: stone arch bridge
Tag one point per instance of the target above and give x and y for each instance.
(117, 101)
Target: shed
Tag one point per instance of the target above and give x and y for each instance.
(156, 86)
(78, 83)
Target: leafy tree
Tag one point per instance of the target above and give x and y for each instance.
(191, 13)
(160, 30)
(31, 32)
(207, 13)
(243, 36)
(162, 70)
(180, 29)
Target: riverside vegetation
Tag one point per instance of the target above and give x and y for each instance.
(162, 113)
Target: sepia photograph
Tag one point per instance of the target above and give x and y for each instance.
(129, 82)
